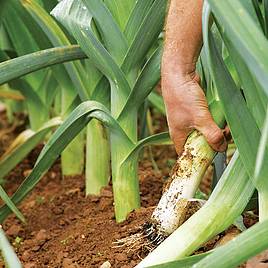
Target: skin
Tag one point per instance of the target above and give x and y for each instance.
(185, 102)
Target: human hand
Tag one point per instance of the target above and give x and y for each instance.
(187, 109)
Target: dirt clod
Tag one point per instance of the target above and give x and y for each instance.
(30, 265)
(14, 230)
(68, 263)
(41, 237)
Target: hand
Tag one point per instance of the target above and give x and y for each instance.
(187, 109)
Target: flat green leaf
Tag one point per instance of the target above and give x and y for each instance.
(157, 102)
(112, 36)
(136, 18)
(78, 20)
(145, 83)
(258, 11)
(21, 37)
(157, 139)
(265, 6)
(23, 144)
(249, 6)
(121, 10)
(187, 262)
(254, 96)
(71, 127)
(261, 169)
(146, 35)
(32, 62)
(238, 250)
(58, 38)
(37, 109)
(236, 112)
(2, 5)
(241, 27)
(4, 196)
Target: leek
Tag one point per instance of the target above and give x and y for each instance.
(226, 203)
(8, 253)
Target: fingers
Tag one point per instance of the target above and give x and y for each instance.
(227, 133)
(214, 135)
(179, 138)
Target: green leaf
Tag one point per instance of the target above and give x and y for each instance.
(120, 10)
(240, 27)
(252, 11)
(58, 38)
(136, 18)
(145, 83)
(236, 112)
(257, 8)
(73, 125)
(265, 5)
(157, 102)
(187, 262)
(255, 97)
(78, 20)
(23, 144)
(38, 111)
(32, 62)
(146, 35)
(238, 250)
(157, 139)
(2, 5)
(261, 169)
(112, 36)
(21, 37)
(4, 196)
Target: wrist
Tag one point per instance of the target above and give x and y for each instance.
(180, 71)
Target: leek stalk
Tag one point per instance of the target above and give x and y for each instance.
(97, 158)
(8, 253)
(183, 183)
(226, 203)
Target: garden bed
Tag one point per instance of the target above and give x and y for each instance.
(66, 229)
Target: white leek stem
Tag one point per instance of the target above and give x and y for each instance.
(185, 179)
(227, 201)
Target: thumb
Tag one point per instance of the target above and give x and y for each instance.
(214, 135)
(179, 138)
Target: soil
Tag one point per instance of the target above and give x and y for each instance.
(66, 229)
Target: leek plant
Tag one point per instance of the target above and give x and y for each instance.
(41, 89)
(8, 253)
(124, 54)
(121, 59)
(242, 112)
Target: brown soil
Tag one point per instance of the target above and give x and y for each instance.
(66, 229)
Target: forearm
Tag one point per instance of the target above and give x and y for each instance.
(185, 101)
(183, 38)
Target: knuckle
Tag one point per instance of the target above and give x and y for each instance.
(215, 136)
